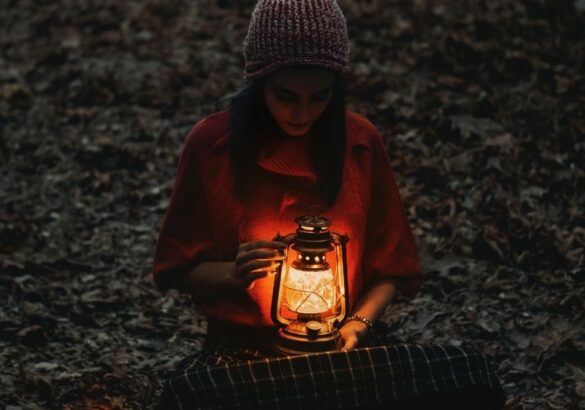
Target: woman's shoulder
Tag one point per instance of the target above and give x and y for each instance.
(209, 131)
(361, 131)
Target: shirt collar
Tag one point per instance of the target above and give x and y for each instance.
(288, 156)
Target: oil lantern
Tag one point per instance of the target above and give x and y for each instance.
(310, 288)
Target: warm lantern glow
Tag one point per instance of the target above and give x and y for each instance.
(309, 291)
(309, 298)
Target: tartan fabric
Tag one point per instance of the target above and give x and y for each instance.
(363, 377)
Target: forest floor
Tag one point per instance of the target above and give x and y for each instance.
(482, 105)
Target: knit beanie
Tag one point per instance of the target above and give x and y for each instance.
(290, 32)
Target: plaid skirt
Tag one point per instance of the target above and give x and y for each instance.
(396, 377)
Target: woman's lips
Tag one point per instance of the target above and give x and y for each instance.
(298, 126)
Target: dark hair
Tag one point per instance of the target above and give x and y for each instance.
(250, 120)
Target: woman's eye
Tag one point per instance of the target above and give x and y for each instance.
(321, 97)
(285, 98)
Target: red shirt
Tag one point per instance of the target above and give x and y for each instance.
(206, 221)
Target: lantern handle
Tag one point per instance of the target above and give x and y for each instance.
(316, 210)
(340, 239)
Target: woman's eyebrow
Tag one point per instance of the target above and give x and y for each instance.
(286, 90)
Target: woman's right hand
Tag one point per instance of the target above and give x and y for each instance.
(257, 259)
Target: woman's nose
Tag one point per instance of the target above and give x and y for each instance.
(302, 113)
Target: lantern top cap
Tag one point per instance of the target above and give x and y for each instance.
(313, 221)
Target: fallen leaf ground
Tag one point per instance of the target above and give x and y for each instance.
(482, 107)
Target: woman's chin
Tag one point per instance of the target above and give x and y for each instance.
(297, 132)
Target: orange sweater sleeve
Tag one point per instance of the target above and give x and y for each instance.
(390, 250)
(185, 237)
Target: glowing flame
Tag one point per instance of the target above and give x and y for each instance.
(309, 291)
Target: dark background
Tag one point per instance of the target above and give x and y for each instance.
(482, 107)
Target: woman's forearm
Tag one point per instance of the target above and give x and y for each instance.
(208, 281)
(211, 281)
(374, 301)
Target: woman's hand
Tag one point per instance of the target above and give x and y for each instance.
(213, 281)
(352, 333)
(255, 260)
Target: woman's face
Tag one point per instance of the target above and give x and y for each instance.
(296, 97)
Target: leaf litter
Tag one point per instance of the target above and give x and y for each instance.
(481, 105)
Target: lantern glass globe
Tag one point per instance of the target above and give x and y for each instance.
(309, 292)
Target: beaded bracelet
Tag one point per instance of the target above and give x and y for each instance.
(358, 318)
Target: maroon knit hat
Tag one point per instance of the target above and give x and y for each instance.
(289, 32)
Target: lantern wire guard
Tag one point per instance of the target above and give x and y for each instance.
(310, 289)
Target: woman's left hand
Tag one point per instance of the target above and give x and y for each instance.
(351, 334)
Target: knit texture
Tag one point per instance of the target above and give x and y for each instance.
(289, 156)
(291, 32)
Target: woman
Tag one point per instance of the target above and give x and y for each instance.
(286, 147)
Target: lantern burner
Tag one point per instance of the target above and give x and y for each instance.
(313, 235)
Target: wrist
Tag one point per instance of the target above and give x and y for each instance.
(358, 328)
(368, 324)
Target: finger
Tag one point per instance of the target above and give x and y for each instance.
(244, 269)
(249, 280)
(265, 269)
(252, 276)
(271, 270)
(264, 254)
(351, 342)
(248, 246)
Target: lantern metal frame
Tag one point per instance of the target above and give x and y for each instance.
(308, 332)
